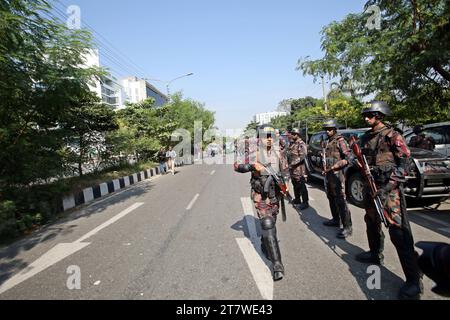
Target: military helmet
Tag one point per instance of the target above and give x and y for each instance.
(265, 130)
(378, 106)
(295, 131)
(418, 129)
(330, 124)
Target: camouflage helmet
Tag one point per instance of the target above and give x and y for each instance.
(330, 124)
(265, 129)
(378, 106)
(295, 131)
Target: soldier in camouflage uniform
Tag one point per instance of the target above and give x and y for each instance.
(336, 156)
(387, 155)
(297, 152)
(420, 140)
(265, 194)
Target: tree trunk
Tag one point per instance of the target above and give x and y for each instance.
(80, 159)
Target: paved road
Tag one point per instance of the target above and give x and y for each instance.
(194, 236)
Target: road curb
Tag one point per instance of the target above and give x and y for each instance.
(106, 188)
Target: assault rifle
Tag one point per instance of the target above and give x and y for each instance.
(385, 217)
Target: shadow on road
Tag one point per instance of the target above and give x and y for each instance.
(243, 225)
(390, 282)
(10, 264)
(420, 217)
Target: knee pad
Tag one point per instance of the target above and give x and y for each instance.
(267, 223)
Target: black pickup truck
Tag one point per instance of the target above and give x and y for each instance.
(428, 179)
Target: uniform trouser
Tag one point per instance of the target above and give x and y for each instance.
(401, 236)
(300, 189)
(268, 208)
(336, 199)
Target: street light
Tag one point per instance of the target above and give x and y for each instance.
(169, 82)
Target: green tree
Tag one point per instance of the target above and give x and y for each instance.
(85, 125)
(252, 126)
(406, 62)
(41, 79)
(298, 104)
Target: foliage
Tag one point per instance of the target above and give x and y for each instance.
(406, 62)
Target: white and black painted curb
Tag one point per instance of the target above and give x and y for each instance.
(103, 189)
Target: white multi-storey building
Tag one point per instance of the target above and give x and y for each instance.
(108, 87)
(116, 92)
(264, 118)
(137, 90)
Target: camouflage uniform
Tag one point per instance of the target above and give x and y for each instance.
(267, 204)
(336, 152)
(422, 142)
(266, 199)
(297, 152)
(387, 155)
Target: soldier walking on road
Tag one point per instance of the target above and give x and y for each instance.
(297, 152)
(387, 156)
(336, 156)
(265, 194)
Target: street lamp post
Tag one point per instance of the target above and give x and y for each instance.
(169, 82)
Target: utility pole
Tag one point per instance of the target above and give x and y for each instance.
(325, 102)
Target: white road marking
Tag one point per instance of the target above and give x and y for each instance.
(110, 221)
(212, 172)
(260, 272)
(250, 248)
(191, 204)
(54, 255)
(60, 252)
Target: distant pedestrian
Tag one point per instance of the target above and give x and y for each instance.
(162, 160)
(171, 155)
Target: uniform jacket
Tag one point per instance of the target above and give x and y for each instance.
(297, 152)
(387, 154)
(336, 150)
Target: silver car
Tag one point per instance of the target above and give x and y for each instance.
(440, 132)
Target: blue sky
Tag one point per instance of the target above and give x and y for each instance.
(243, 53)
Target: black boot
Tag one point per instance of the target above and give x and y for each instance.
(269, 234)
(404, 243)
(411, 290)
(331, 223)
(370, 257)
(375, 237)
(304, 205)
(345, 232)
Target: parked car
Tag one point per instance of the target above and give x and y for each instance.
(428, 179)
(440, 132)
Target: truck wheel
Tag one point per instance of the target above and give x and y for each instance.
(355, 191)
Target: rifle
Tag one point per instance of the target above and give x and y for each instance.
(281, 184)
(324, 163)
(385, 217)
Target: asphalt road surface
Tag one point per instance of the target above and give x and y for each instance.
(194, 236)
